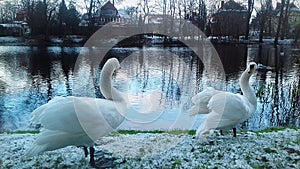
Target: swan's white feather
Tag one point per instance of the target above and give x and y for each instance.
(78, 121)
(58, 114)
(52, 139)
(224, 109)
(231, 108)
(201, 100)
(73, 120)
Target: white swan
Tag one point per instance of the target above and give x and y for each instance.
(79, 121)
(225, 110)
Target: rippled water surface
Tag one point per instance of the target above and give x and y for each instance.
(159, 82)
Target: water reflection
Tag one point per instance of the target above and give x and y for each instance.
(31, 76)
(278, 86)
(165, 77)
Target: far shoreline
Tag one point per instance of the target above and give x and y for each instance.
(134, 42)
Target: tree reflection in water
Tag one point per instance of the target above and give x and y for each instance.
(30, 76)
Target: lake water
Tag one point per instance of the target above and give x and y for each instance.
(159, 82)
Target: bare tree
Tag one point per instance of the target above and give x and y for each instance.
(297, 30)
(285, 19)
(202, 14)
(279, 22)
(9, 10)
(263, 15)
(249, 13)
(145, 9)
(173, 6)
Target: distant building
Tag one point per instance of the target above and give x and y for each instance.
(294, 17)
(18, 27)
(14, 29)
(271, 25)
(230, 20)
(107, 13)
(22, 15)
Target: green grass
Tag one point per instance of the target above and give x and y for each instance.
(173, 132)
(22, 132)
(269, 150)
(273, 129)
(176, 163)
(297, 141)
(139, 131)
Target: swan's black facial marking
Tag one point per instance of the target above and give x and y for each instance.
(252, 67)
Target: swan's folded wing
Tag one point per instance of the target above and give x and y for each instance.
(58, 114)
(233, 107)
(38, 112)
(204, 96)
(201, 101)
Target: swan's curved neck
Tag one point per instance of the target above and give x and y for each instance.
(246, 89)
(107, 89)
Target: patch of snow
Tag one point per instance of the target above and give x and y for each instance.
(249, 150)
(56, 40)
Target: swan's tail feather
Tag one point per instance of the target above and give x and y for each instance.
(36, 115)
(35, 149)
(49, 140)
(46, 142)
(201, 100)
(203, 131)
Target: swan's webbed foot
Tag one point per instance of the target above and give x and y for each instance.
(92, 155)
(86, 153)
(234, 132)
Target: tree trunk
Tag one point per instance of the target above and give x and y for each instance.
(250, 9)
(285, 20)
(90, 13)
(297, 34)
(262, 26)
(46, 21)
(279, 22)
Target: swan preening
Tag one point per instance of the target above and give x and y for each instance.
(79, 121)
(224, 109)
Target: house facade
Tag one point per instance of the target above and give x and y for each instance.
(294, 19)
(19, 27)
(230, 20)
(271, 25)
(108, 13)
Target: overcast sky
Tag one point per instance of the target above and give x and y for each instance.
(135, 2)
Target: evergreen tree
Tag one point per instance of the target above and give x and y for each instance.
(62, 11)
(72, 17)
(39, 19)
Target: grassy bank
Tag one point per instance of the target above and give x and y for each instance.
(173, 132)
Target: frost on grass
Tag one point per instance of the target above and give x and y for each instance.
(275, 149)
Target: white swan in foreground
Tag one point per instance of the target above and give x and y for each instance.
(225, 110)
(79, 121)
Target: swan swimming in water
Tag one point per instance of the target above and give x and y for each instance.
(79, 121)
(224, 109)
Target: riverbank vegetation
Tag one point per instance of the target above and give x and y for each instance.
(230, 20)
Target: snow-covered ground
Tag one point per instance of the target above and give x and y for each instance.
(277, 149)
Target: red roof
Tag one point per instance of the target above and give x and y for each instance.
(108, 6)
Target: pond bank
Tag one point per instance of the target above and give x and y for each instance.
(134, 41)
(262, 149)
